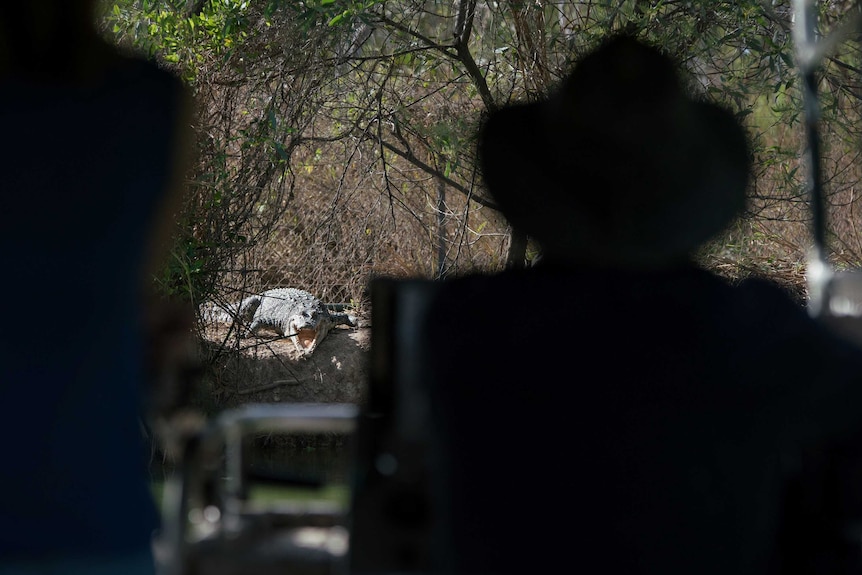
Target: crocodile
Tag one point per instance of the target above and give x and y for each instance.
(290, 312)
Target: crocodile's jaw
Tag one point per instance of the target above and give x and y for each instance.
(306, 340)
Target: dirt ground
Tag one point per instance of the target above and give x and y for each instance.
(271, 370)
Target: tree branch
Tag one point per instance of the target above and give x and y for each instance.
(407, 155)
(463, 30)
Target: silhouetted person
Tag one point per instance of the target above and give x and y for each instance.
(89, 174)
(616, 409)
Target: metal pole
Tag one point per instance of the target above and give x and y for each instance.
(808, 60)
(809, 54)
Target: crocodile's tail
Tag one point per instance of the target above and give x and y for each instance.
(245, 309)
(215, 313)
(241, 312)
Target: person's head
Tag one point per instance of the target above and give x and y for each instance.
(619, 167)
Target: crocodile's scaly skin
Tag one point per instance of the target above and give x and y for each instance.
(292, 313)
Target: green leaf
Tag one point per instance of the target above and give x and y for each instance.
(282, 153)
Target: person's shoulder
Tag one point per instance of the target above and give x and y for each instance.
(501, 284)
(768, 303)
(462, 289)
(766, 289)
(789, 320)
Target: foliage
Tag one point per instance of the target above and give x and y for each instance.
(336, 137)
(242, 181)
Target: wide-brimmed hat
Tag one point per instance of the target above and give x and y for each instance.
(619, 165)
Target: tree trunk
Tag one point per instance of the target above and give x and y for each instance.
(441, 229)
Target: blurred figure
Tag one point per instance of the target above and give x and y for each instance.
(90, 170)
(616, 409)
